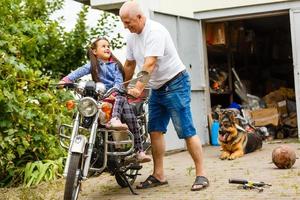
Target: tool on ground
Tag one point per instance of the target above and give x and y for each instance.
(250, 184)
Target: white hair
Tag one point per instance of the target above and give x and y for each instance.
(131, 8)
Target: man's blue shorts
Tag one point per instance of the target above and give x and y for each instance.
(172, 101)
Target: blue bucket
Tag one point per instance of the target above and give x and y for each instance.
(215, 133)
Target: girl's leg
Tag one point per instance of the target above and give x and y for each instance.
(122, 110)
(115, 122)
(130, 119)
(118, 106)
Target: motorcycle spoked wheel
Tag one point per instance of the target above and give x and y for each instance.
(73, 183)
(131, 176)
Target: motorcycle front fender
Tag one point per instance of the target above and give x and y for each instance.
(78, 144)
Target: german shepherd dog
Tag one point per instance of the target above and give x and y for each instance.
(234, 139)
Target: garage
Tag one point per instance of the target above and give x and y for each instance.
(251, 59)
(257, 52)
(260, 42)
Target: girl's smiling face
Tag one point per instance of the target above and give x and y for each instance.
(102, 50)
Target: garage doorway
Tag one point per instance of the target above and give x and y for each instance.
(259, 49)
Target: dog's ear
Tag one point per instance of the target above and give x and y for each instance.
(219, 115)
(232, 117)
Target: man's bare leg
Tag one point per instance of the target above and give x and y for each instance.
(195, 149)
(158, 151)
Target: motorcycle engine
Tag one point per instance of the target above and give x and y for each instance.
(97, 158)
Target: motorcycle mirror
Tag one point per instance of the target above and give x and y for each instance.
(100, 87)
(80, 87)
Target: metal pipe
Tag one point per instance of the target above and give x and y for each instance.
(131, 136)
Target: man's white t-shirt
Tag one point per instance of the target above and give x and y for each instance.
(155, 40)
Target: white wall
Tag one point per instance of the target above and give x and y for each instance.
(187, 7)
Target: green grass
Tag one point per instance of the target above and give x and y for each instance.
(190, 170)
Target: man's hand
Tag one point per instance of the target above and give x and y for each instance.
(134, 92)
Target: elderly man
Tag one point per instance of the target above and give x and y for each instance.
(150, 47)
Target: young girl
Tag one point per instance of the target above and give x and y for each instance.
(106, 68)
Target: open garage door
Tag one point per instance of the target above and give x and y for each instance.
(295, 31)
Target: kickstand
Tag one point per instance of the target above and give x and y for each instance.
(130, 187)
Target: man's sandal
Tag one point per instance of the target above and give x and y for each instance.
(200, 183)
(150, 182)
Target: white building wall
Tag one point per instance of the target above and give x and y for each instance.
(183, 7)
(187, 7)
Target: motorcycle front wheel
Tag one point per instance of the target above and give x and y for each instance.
(72, 185)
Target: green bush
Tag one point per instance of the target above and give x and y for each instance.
(34, 52)
(31, 110)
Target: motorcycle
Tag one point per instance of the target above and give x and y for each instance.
(94, 149)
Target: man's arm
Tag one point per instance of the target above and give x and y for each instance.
(129, 68)
(149, 65)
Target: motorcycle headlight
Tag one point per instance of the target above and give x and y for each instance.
(87, 106)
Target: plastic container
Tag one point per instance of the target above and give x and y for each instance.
(215, 133)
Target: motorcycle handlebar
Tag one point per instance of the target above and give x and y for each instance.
(121, 91)
(66, 85)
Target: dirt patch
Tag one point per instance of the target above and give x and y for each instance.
(47, 190)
